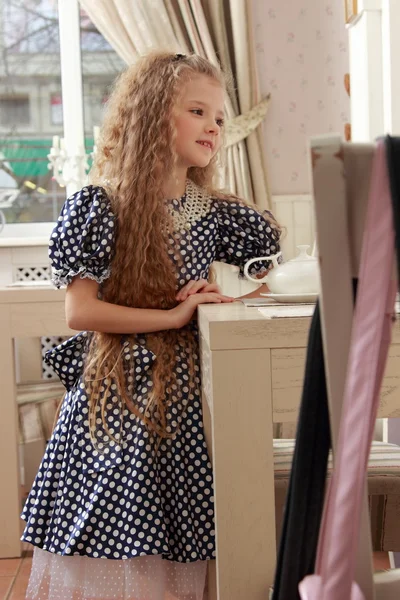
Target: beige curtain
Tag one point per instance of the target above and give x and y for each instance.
(219, 30)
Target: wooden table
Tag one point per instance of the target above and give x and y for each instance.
(252, 377)
(252, 370)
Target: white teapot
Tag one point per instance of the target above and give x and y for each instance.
(297, 276)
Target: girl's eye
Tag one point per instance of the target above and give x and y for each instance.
(200, 112)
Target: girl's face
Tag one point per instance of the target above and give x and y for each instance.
(199, 118)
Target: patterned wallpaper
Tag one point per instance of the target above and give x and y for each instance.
(302, 55)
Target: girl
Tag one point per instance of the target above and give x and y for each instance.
(126, 475)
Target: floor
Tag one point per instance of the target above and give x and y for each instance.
(14, 573)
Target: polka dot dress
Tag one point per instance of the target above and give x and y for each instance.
(124, 500)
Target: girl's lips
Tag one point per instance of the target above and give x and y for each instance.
(206, 144)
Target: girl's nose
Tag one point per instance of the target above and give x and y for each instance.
(212, 127)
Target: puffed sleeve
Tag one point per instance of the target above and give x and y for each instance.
(83, 239)
(245, 233)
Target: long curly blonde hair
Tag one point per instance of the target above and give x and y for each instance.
(135, 158)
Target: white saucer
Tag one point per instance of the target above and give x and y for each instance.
(293, 298)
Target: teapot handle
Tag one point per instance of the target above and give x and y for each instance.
(273, 258)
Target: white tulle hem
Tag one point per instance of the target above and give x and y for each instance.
(55, 577)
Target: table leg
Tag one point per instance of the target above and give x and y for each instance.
(10, 503)
(237, 384)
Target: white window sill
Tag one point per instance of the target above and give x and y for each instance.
(26, 234)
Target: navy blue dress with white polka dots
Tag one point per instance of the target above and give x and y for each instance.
(129, 500)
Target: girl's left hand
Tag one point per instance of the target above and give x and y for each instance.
(194, 287)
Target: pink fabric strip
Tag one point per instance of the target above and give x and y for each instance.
(370, 339)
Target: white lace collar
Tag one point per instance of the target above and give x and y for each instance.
(196, 204)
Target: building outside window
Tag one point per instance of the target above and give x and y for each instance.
(31, 103)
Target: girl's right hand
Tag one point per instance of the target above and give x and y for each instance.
(183, 313)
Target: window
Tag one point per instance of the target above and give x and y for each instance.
(56, 109)
(100, 66)
(14, 111)
(31, 105)
(29, 77)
